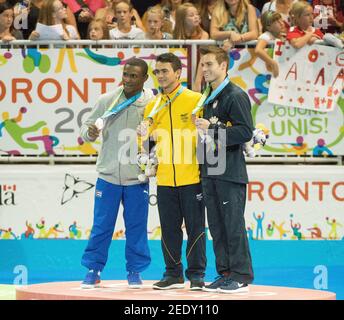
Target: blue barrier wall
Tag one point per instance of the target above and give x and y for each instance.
(278, 263)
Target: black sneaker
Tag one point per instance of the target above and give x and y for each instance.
(196, 284)
(219, 281)
(169, 283)
(231, 286)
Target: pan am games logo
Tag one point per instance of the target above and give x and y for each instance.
(7, 194)
(73, 187)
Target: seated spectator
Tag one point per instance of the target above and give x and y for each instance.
(51, 23)
(81, 12)
(7, 31)
(303, 32)
(170, 7)
(205, 9)
(273, 28)
(154, 22)
(108, 15)
(282, 7)
(189, 26)
(98, 30)
(328, 16)
(235, 21)
(124, 28)
(166, 23)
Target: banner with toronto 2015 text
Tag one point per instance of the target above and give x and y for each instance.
(283, 203)
(46, 94)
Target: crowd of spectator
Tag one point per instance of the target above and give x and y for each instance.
(233, 21)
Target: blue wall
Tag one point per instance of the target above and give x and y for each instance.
(280, 263)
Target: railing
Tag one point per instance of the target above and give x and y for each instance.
(192, 47)
(259, 159)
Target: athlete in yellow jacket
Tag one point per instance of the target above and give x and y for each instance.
(179, 191)
(175, 135)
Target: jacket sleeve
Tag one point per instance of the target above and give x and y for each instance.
(238, 111)
(96, 112)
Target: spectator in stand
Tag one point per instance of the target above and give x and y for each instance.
(154, 22)
(303, 32)
(124, 28)
(98, 30)
(108, 15)
(166, 24)
(282, 7)
(170, 8)
(205, 9)
(30, 15)
(273, 28)
(189, 26)
(234, 21)
(81, 12)
(51, 23)
(328, 15)
(7, 32)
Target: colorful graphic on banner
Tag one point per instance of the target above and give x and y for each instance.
(292, 130)
(283, 203)
(47, 94)
(42, 115)
(309, 78)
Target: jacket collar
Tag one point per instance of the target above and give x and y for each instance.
(172, 93)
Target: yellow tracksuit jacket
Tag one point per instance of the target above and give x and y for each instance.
(176, 138)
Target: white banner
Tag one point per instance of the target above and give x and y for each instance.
(283, 202)
(311, 77)
(46, 94)
(292, 130)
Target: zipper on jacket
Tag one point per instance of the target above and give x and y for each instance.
(120, 158)
(174, 169)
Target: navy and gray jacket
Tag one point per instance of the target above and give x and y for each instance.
(232, 108)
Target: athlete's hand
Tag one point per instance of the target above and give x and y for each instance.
(142, 128)
(202, 124)
(93, 132)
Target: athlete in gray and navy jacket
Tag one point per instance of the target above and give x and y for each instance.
(118, 180)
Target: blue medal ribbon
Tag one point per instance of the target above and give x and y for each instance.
(115, 109)
(217, 91)
(157, 108)
(206, 99)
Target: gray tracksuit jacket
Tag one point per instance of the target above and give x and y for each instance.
(113, 151)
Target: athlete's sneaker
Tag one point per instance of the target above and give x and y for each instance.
(219, 281)
(92, 280)
(134, 280)
(169, 283)
(196, 284)
(231, 286)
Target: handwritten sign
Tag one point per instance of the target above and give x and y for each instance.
(310, 78)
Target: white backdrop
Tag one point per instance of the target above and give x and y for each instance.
(55, 89)
(63, 194)
(48, 102)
